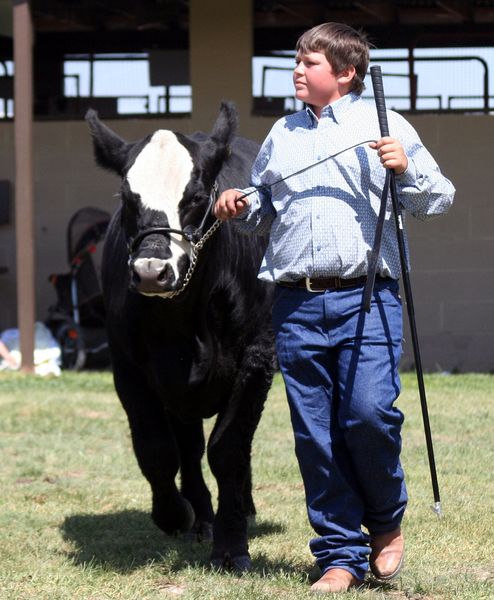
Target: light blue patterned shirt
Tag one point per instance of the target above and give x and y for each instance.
(322, 222)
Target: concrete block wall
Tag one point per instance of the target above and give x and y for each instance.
(452, 257)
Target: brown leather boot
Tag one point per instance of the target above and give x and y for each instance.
(335, 581)
(387, 551)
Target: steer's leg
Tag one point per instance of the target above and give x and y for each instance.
(191, 445)
(250, 508)
(155, 448)
(229, 453)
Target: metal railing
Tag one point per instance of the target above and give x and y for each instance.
(413, 97)
(269, 104)
(414, 79)
(451, 100)
(437, 97)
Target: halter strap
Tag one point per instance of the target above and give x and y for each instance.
(190, 233)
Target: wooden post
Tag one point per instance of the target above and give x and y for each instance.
(23, 136)
(220, 39)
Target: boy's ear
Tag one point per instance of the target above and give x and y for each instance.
(346, 75)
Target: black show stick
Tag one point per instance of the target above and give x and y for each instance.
(377, 84)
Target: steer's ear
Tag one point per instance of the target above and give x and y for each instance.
(226, 124)
(110, 150)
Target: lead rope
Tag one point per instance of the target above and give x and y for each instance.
(373, 255)
(299, 172)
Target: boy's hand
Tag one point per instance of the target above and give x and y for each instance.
(231, 203)
(391, 153)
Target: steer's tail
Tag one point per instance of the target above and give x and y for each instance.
(250, 390)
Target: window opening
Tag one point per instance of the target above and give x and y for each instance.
(427, 79)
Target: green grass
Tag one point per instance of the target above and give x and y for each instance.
(74, 508)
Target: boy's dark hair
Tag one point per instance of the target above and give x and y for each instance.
(343, 47)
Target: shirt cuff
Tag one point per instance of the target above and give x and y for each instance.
(409, 175)
(243, 216)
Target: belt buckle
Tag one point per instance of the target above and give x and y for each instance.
(309, 288)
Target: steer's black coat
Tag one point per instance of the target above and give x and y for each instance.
(207, 351)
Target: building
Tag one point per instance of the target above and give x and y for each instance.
(452, 271)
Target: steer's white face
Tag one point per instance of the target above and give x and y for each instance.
(160, 175)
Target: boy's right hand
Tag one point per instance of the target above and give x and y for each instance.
(230, 204)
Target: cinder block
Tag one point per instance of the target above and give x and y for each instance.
(453, 285)
(470, 318)
(435, 254)
(453, 353)
(483, 223)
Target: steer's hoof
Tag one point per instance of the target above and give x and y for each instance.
(236, 564)
(201, 532)
(205, 532)
(174, 520)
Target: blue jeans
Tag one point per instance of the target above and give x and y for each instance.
(340, 368)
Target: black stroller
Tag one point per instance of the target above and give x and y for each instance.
(77, 320)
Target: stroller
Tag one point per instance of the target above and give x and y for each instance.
(77, 319)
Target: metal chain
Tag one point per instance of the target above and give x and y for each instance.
(196, 248)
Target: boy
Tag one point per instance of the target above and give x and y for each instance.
(339, 364)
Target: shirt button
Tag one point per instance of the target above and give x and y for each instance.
(318, 248)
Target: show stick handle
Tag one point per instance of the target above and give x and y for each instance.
(377, 85)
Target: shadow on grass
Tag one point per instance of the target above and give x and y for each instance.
(128, 540)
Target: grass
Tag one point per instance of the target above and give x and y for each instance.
(74, 508)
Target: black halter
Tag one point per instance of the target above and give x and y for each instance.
(190, 233)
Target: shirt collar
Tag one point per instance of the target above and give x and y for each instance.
(334, 111)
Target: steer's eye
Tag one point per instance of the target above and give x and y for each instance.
(199, 199)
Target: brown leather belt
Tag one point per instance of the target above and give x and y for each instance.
(320, 284)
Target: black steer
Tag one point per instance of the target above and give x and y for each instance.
(195, 340)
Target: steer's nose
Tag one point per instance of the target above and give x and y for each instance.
(152, 275)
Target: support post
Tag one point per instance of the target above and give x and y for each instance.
(221, 48)
(23, 136)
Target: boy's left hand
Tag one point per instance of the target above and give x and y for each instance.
(391, 153)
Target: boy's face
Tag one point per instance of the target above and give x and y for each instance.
(316, 83)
